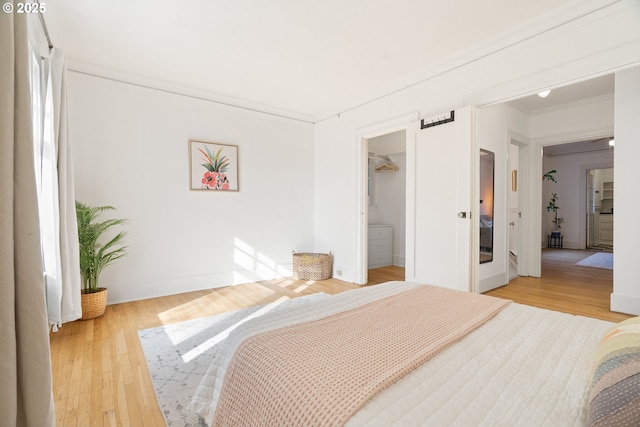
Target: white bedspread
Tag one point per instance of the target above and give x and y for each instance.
(526, 366)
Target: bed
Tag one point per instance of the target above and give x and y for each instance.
(486, 233)
(518, 365)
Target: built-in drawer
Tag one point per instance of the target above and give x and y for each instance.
(606, 226)
(380, 232)
(380, 259)
(380, 245)
(606, 218)
(379, 253)
(606, 235)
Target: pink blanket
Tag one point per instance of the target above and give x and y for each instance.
(319, 373)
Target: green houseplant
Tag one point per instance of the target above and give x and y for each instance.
(553, 205)
(95, 254)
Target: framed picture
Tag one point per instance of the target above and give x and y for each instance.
(213, 166)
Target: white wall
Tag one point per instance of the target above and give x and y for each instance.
(571, 189)
(130, 151)
(626, 285)
(584, 46)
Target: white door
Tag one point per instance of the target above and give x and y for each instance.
(438, 204)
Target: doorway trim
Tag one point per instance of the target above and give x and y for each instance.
(535, 188)
(584, 170)
(524, 236)
(362, 153)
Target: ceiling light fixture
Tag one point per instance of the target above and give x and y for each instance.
(612, 142)
(544, 93)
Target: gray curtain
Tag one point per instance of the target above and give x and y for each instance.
(26, 396)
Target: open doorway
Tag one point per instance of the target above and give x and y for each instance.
(567, 132)
(386, 204)
(600, 196)
(578, 174)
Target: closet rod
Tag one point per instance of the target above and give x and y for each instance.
(44, 27)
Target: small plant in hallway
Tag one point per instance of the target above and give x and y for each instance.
(550, 176)
(553, 205)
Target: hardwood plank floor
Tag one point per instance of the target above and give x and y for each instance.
(100, 375)
(565, 287)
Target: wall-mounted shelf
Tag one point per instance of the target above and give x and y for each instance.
(607, 191)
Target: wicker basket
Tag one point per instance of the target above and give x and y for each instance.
(310, 266)
(94, 304)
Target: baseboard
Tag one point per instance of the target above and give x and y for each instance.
(398, 260)
(125, 292)
(492, 282)
(625, 304)
(572, 245)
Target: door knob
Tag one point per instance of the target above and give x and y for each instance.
(462, 214)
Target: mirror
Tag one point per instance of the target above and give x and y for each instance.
(487, 166)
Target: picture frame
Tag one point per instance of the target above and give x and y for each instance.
(213, 166)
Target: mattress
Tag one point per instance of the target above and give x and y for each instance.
(526, 366)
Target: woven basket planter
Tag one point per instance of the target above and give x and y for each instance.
(312, 266)
(94, 304)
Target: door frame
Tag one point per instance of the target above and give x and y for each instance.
(597, 133)
(524, 207)
(584, 169)
(363, 135)
(410, 124)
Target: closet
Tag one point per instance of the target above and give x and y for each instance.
(387, 200)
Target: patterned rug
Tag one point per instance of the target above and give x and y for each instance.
(178, 355)
(598, 260)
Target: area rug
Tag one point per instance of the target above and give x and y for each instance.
(178, 355)
(598, 260)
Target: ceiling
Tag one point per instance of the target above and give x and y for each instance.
(600, 144)
(304, 59)
(566, 95)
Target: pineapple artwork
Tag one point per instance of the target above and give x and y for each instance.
(214, 166)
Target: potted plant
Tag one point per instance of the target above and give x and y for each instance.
(553, 206)
(96, 255)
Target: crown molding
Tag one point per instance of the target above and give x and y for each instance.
(182, 90)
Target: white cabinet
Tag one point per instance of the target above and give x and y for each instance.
(380, 245)
(606, 228)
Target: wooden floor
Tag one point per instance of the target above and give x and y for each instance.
(565, 287)
(100, 376)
